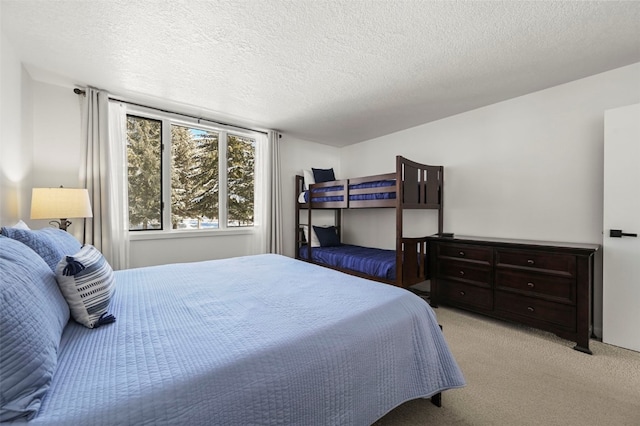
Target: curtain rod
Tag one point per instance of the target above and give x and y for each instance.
(83, 92)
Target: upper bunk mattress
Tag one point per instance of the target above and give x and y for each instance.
(354, 197)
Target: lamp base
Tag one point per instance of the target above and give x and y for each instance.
(62, 224)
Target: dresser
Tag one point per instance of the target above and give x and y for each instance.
(546, 285)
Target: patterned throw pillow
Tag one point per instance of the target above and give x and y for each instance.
(52, 244)
(87, 282)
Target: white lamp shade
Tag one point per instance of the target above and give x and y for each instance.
(60, 203)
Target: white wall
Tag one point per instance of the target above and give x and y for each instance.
(57, 133)
(15, 135)
(40, 138)
(295, 156)
(57, 136)
(147, 252)
(530, 167)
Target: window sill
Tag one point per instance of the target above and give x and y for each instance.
(196, 233)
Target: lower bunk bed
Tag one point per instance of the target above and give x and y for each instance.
(262, 339)
(373, 263)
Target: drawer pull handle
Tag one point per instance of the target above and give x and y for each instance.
(461, 272)
(462, 293)
(461, 253)
(530, 309)
(530, 262)
(532, 285)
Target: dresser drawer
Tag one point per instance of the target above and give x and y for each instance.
(468, 295)
(541, 284)
(465, 271)
(561, 264)
(558, 288)
(465, 252)
(560, 315)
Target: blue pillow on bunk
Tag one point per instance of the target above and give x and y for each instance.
(328, 236)
(323, 175)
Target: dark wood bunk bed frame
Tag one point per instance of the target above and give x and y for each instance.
(417, 186)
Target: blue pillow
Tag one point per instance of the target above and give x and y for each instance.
(328, 236)
(52, 244)
(323, 175)
(32, 318)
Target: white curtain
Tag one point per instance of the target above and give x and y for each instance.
(268, 194)
(274, 235)
(103, 172)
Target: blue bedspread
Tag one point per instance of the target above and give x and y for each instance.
(257, 340)
(356, 197)
(371, 261)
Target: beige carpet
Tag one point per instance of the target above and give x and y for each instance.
(520, 376)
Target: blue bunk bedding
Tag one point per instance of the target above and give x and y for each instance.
(252, 340)
(371, 261)
(356, 197)
(374, 196)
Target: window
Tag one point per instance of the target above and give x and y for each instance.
(194, 178)
(144, 156)
(240, 178)
(206, 175)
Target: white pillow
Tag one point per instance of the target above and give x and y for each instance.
(308, 179)
(87, 282)
(314, 238)
(21, 225)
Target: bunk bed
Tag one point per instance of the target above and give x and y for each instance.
(411, 186)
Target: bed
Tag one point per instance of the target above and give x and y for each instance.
(411, 186)
(368, 261)
(262, 339)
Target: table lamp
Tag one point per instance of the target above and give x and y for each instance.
(62, 203)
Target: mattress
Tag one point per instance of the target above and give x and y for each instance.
(251, 340)
(371, 261)
(353, 197)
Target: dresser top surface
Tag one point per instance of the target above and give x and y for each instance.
(558, 245)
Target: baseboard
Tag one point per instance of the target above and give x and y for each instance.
(596, 333)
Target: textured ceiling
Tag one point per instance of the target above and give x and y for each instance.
(331, 71)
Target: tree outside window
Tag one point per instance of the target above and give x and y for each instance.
(144, 146)
(194, 165)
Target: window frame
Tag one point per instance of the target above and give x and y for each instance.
(168, 119)
(162, 172)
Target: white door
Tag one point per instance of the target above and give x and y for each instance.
(621, 253)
